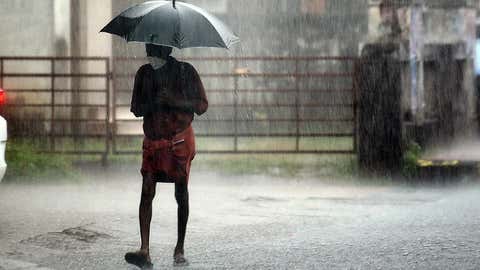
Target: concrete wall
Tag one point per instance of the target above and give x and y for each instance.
(42, 28)
(437, 47)
(26, 27)
(98, 14)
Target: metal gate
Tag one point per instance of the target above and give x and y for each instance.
(59, 103)
(258, 105)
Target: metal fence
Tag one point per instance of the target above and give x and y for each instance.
(62, 103)
(257, 104)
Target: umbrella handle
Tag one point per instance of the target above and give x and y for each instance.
(174, 4)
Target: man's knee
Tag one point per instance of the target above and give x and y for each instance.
(181, 194)
(148, 194)
(148, 189)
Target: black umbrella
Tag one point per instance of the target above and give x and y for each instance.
(179, 25)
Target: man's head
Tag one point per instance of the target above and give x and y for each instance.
(387, 11)
(158, 50)
(389, 16)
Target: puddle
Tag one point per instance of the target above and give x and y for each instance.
(69, 239)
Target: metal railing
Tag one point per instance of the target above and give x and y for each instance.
(291, 76)
(257, 104)
(55, 98)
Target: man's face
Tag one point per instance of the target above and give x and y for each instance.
(158, 51)
(165, 51)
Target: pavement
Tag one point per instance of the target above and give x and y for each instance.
(243, 222)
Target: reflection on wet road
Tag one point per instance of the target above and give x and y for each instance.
(243, 223)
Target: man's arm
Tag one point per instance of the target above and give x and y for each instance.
(138, 106)
(200, 101)
(197, 99)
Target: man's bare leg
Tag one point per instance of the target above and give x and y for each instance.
(141, 258)
(145, 211)
(181, 196)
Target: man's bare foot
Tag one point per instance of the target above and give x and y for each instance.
(139, 258)
(179, 258)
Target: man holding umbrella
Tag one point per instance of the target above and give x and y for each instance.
(166, 94)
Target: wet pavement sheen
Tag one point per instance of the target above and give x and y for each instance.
(252, 222)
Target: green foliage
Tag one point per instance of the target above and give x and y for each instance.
(279, 165)
(410, 159)
(26, 164)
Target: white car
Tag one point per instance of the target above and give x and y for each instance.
(3, 138)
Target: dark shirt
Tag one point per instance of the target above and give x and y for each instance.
(167, 98)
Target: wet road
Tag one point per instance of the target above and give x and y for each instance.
(243, 223)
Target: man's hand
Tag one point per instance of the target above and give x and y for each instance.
(162, 97)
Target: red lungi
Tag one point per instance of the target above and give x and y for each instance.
(169, 160)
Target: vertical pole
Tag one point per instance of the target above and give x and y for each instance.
(297, 106)
(355, 105)
(52, 105)
(113, 101)
(416, 44)
(77, 42)
(235, 109)
(107, 111)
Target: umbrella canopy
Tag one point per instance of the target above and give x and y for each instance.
(179, 25)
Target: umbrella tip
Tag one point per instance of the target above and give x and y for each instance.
(174, 4)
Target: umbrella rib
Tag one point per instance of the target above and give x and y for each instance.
(216, 30)
(139, 22)
(221, 35)
(204, 14)
(179, 28)
(144, 16)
